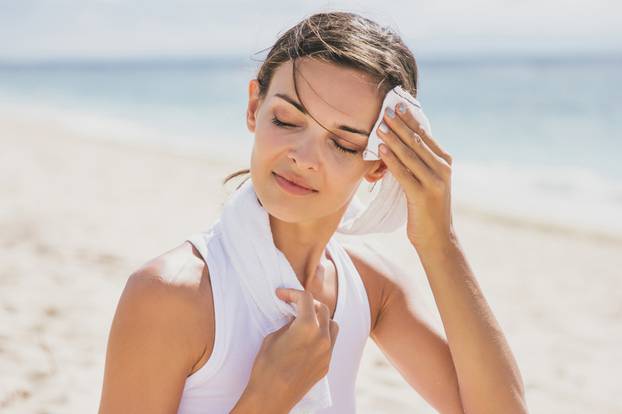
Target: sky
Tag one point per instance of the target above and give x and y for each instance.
(57, 29)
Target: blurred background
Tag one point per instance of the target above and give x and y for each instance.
(119, 119)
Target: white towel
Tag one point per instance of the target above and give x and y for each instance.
(247, 239)
(387, 210)
(248, 242)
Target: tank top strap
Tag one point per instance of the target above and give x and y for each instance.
(351, 283)
(206, 243)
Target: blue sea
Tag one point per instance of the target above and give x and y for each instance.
(535, 140)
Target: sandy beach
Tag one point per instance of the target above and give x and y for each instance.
(79, 214)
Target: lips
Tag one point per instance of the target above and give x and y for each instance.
(296, 180)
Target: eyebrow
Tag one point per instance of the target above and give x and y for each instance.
(301, 109)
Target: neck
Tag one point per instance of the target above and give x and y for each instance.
(304, 246)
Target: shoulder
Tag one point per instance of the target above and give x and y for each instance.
(171, 293)
(180, 269)
(157, 334)
(374, 265)
(382, 279)
(178, 277)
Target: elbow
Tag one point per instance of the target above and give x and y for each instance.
(520, 401)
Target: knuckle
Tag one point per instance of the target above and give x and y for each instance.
(403, 170)
(446, 170)
(438, 186)
(413, 156)
(416, 137)
(449, 158)
(387, 137)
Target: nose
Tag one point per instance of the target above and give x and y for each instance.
(304, 155)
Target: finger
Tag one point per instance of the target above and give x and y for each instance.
(409, 136)
(334, 331)
(323, 317)
(302, 299)
(403, 175)
(406, 155)
(409, 119)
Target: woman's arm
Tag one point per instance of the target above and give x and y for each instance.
(475, 372)
(150, 347)
(405, 332)
(488, 376)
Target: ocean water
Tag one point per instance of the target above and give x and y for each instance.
(534, 140)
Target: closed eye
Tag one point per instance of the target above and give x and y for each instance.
(281, 124)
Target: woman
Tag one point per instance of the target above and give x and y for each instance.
(181, 340)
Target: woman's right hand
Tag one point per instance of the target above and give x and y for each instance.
(297, 355)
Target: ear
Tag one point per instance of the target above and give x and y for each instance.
(253, 104)
(376, 171)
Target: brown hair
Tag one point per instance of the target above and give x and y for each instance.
(346, 39)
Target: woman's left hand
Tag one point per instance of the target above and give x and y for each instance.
(423, 170)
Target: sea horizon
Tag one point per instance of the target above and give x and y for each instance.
(533, 137)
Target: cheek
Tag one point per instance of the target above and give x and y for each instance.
(342, 180)
(267, 147)
(268, 141)
(352, 179)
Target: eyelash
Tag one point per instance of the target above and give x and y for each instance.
(281, 124)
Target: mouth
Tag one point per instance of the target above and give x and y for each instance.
(291, 187)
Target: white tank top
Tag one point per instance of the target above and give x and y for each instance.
(217, 386)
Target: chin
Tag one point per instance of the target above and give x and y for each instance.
(282, 206)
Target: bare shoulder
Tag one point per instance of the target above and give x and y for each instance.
(178, 267)
(176, 286)
(179, 276)
(385, 281)
(158, 334)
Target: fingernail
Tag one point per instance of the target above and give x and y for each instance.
(383, 127)
(401, 107)
(391, 113)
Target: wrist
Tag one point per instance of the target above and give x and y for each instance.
(438, 245)
(248, 403)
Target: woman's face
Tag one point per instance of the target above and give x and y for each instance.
(330, 162)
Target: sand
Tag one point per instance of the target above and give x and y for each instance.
(78, 214)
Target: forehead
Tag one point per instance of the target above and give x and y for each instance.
(333, 94)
